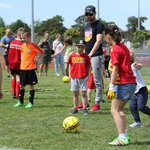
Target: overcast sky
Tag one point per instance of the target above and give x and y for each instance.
(110, 10)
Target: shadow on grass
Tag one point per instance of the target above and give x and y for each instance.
(141, 143)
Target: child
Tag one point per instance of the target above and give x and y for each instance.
(79, 69)
(140, 98)
(14, 59)
(122, 83)
(28, 67)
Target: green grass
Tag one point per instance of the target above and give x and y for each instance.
(40, 128)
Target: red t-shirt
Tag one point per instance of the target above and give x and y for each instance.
(14, 54)
(79, 65)
(120, 55)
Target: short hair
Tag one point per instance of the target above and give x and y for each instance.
(27, 33)
(69, 40)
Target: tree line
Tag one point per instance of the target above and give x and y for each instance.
(55, 25)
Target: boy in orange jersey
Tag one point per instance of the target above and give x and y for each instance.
(28, 76)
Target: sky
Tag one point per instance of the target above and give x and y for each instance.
(117, 11)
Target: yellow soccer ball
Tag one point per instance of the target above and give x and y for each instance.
(148, 88)
(71, 124)
(66, 79)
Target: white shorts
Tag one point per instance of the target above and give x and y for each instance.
(79, 84)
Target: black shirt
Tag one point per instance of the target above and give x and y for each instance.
(90, 32)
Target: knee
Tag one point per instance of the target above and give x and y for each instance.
(141, 108)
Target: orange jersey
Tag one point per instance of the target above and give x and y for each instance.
(28, 54)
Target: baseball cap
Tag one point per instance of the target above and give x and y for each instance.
(90, 9)
(81, 42)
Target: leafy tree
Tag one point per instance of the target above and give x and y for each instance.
(80, 23)
(74, 33)
(133, 25)
(141, 36)
(16, 25)
(2, 24)
(53, 25)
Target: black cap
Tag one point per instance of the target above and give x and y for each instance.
(90, 9)
(81, 42)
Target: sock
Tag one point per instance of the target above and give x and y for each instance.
(31, 96)
(13, 86)
(21, 96)
(17, 88)
(122, 135)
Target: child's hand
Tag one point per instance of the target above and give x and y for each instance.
(111, 93)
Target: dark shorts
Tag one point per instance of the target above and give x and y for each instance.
(6, 59)
(28, 77)
(14, 71)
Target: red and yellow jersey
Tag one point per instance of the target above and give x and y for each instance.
(14, 54)
(79, 65)
(28, 54)
(120, 55)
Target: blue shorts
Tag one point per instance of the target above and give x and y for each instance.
(124, 91)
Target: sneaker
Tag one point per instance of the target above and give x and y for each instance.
(120, 141)
(80, 106)
(30, 105)
(95, 107)
(58, 74)
(18, 104)
(73, 111)
(85, 112)
(136, 124)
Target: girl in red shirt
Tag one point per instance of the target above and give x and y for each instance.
(122, 83)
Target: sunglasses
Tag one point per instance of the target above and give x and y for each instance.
(89, 14)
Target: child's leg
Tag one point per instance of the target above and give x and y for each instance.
(1, 94)
(118, 115)
(40, 69)
(17, 85)
(84, 99)
(133, 106)
(31, 94)
(89, 93)
(142, 98)
(75, 99)
(21, 94)
(13, 85)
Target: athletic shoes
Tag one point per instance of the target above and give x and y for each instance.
(120, 141)
(136, 124)
(85, 112)
(73, 111)
(95, 107)
(30, 105)
(80, 106)
(18, 104)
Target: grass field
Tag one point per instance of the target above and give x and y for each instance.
(40, 128)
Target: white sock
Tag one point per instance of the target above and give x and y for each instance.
(122, 135)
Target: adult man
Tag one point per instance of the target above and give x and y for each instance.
(5, 41)
(93, 33)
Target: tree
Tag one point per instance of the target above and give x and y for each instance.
(18, 24)
(80, 23)
(141, 36)
(2, 24)
(133, 25)
(74, 33)
(53, 25)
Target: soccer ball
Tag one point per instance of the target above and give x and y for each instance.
(71, 124)
(66, 79)
(148, 88)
